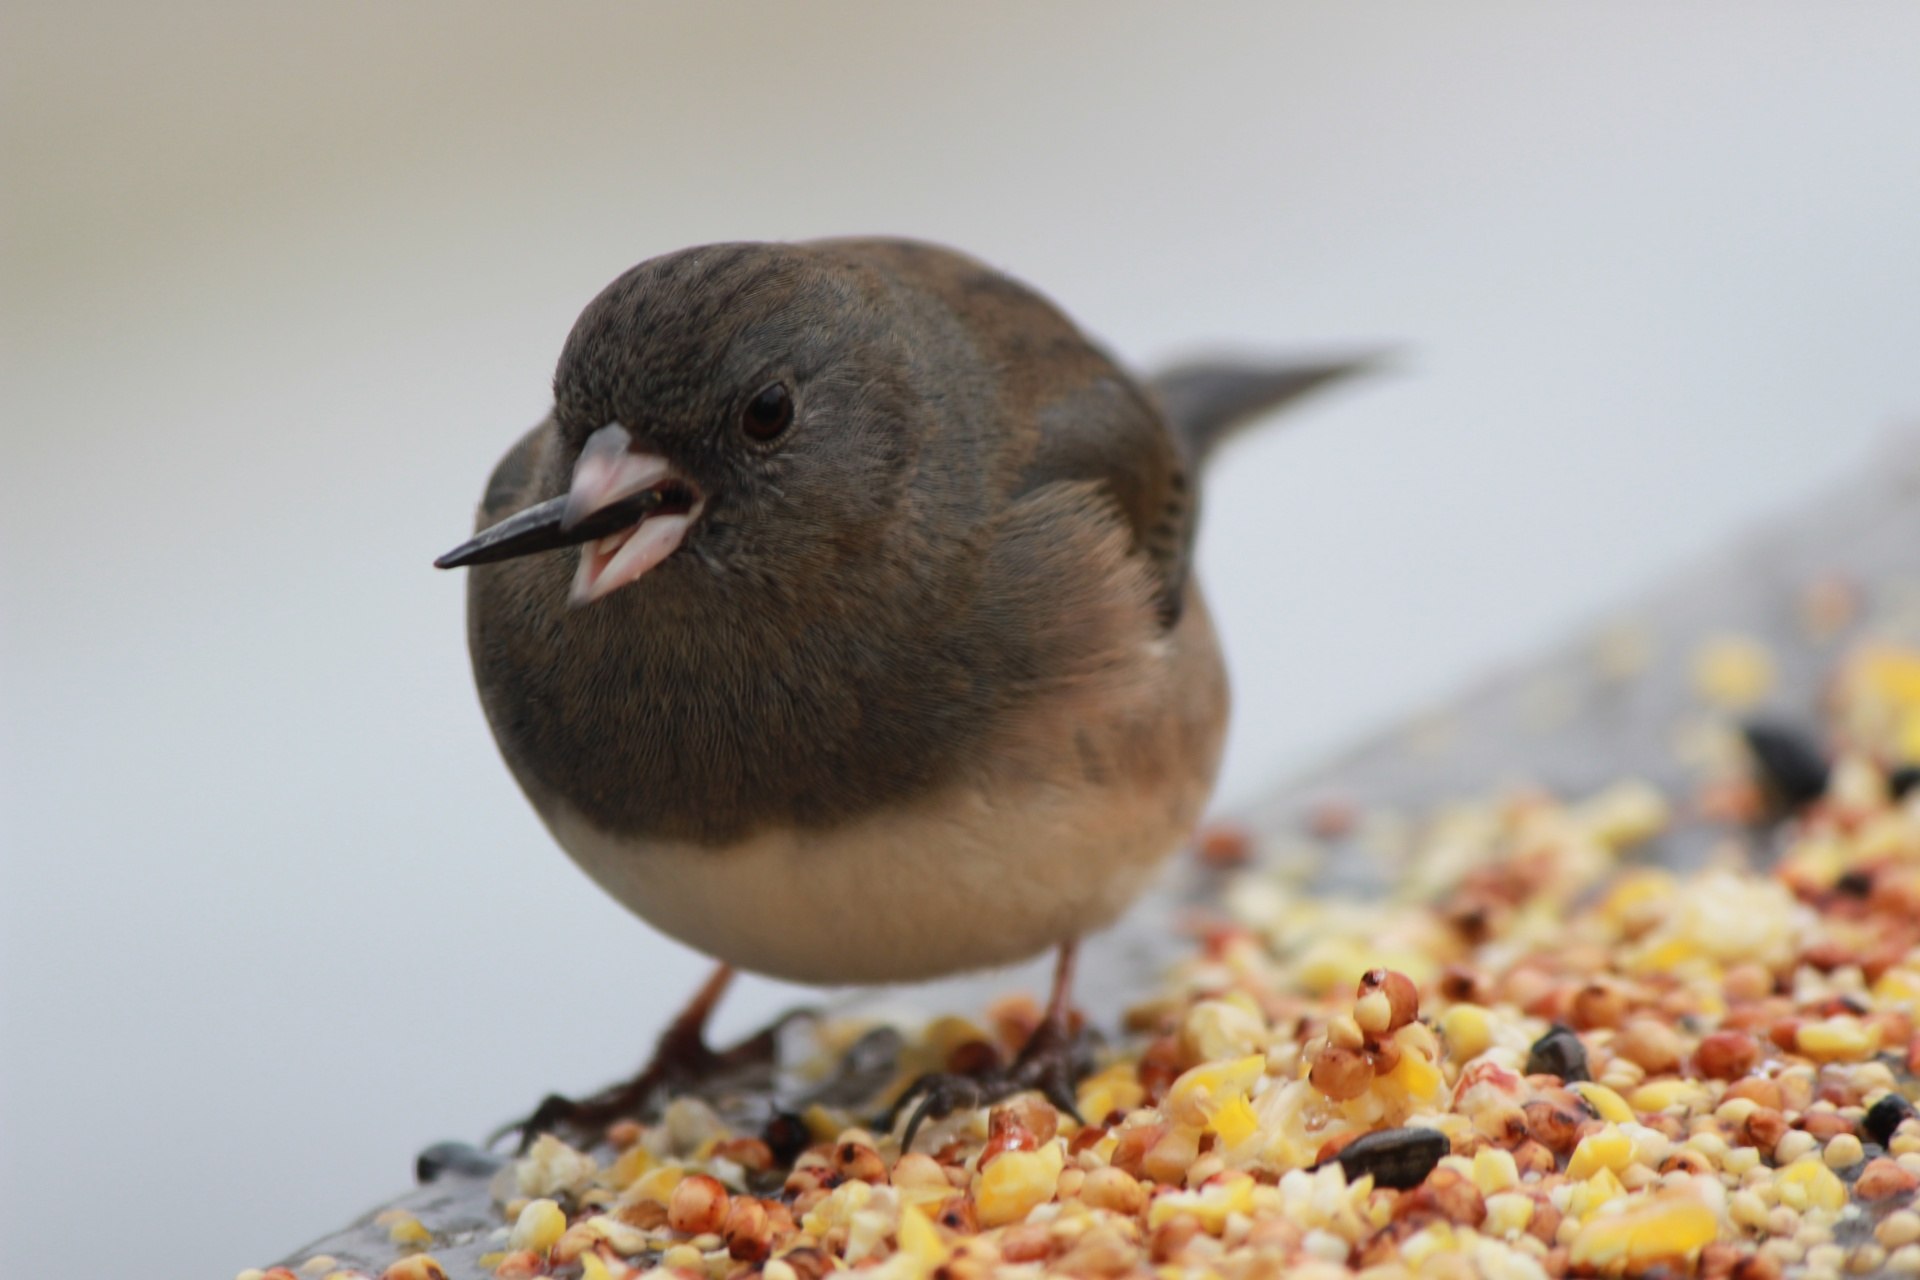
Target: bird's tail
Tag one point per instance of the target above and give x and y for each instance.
(1208, 400)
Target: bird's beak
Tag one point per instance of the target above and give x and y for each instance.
(627, 508)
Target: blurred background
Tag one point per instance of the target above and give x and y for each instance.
(282, 281)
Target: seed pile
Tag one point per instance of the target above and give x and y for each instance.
(1551, 1056)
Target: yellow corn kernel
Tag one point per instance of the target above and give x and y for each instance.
(1016, 1182)
(1234, 1122)
(539, 1226)
(405, 1229)
(656, 1184)
(1809, 1184)
(1198, 1093)
(1494, 1170)
(629, 1165)
(1115, 1089)
(1608, 1149)
(1223, 1029)
(1417, 1075)
(919, 1240)
(1467, 1030)
(1210, 1204)
(593, 1268)
(1594, 1192)
(1661, 1094)
(1508, 1214)
(1607, 1104)
(683, 1257)
(1330, 964)
(1666, 1227)
(1838, 1039)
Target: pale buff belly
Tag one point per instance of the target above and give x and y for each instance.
(1034, 854)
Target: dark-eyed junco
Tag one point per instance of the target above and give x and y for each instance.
(880, 656)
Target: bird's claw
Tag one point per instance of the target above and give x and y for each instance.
(1050, 1065)
(683, 1064)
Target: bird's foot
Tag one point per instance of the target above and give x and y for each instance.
(1052, 1063)
(683, 1064)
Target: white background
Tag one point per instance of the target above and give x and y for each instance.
(283, 280)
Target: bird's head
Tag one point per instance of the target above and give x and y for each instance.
(731, 411)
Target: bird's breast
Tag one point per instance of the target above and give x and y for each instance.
(1085, 794)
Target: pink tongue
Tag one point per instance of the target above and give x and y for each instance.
(656, 539)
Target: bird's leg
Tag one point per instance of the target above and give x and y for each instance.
(1050, 1063)
(681, 1060)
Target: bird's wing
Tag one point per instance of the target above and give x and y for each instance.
(1107, 432)
(511, 486)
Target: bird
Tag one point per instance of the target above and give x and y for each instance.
(839, 620)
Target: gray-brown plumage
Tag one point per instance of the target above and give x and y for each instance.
(922, 682)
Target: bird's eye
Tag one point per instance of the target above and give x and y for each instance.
(769, 413)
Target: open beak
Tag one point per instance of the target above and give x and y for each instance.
(627, 509)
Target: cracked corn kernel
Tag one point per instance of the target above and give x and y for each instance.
(1013, 1185)
(1467, 1030)
(1608, 1149)
(405, 1229)
(1607, 1104)
(539, 1226)
(1809, 1184)
(1838, 1039)
(1234, 1122)
(1201, 1091)
(1494, 1170)
(1665, 1228)
(919, 1241)
(1217, 1029)
(1508, 1213)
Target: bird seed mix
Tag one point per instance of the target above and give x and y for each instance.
(1549, 1055)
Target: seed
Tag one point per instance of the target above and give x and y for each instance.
(1447, 1192)
(750, 1154)
(1651, 1044)
(1559, 1053)
(1792, 766)
(1727, 1055)
(748, 1230)
(1372, 1011)
(1397, 1158)
(1554, 1127)
(1341, 1074)
(1843, 1152)
(1763, 1128)
(1012, 1185)
(1670, 1227)
(1901, 1227)
(856, 1161)
(1883, 1179)
(1114, 1190)
(539, 1226)
(698, 1205)
(1403, 997)
(1884, 1117)
(1596, 1005)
